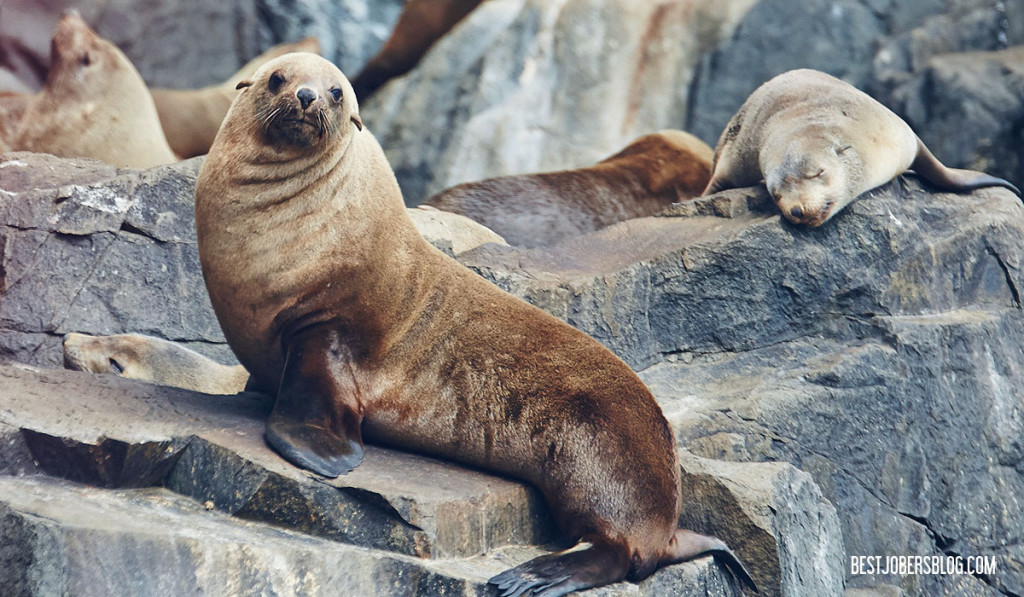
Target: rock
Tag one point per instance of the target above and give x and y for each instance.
(451, 232)
(985, 89)
(100, 251)
(85, 247)
(459, 115)
(871, 45)
(779, 517)
(162, 40)
(880, 354)
(255, 522)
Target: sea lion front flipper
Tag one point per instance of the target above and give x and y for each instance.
(928, 167)
(316, 419)
(687, 545)
(556, 574)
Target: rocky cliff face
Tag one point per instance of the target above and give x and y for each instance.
(852, 390)
(848, 390)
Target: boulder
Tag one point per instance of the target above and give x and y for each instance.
(983, 89)
(880, 353)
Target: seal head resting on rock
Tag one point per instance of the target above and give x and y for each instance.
(818, 143)
(335, 304)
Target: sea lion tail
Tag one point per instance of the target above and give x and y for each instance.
(557, 574)
(928, 167)
(687, 545)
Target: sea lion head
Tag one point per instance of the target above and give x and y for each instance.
(81, 60)
(811, 184)
(299, 101)
(124, 355)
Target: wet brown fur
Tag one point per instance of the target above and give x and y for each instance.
(533, 210)
(94, 104)
(370, 331)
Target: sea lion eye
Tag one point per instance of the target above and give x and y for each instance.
(116, 367)
(818, 173)
(275, 83)
(336, 93)
(85, 59)
(840, 150)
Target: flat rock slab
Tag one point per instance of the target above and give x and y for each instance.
(254, 525)
(112, 432)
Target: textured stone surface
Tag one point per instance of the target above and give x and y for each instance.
(255, 522)
(530, 85)
(193, 43)
(879, 353)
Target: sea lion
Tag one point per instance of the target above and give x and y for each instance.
(818, 143)
(12, 108)
(152, 359)
(360, 328)
(421, 23)
(94, 104)
(534, 210)
(190, 117)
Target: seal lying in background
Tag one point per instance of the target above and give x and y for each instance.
(818, 143)
(94, 104)
(534, 210)
(190, 117)
(152, 359)
(421, 23)
(332, 300)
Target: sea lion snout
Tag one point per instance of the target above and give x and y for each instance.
(796, 212)
(306, 96)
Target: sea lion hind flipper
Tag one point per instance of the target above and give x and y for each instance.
(687, 545)
(557, 574)
(928, 167)
(316, 419)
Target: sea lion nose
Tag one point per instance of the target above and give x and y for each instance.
(796, 212)
(306, 96)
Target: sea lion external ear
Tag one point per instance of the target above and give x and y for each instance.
(359, 121)
(243, 84)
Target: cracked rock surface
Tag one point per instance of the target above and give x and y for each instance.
(847, 390)
(168, 457)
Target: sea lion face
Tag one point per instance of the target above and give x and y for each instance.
(121, 355)
(300, 101)
(810, 186)
(79, 58)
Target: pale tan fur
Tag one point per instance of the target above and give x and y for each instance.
(818, 143)
(190, 117)
(94, 104)
(155, 360)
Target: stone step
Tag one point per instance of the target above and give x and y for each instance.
(62, 538)
(118, 433)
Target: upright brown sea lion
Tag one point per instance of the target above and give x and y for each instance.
(152, 359)
(818, 143)
(421, 23)
(533, 210)
(333, 301)
(94, 104)
(190, 117)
